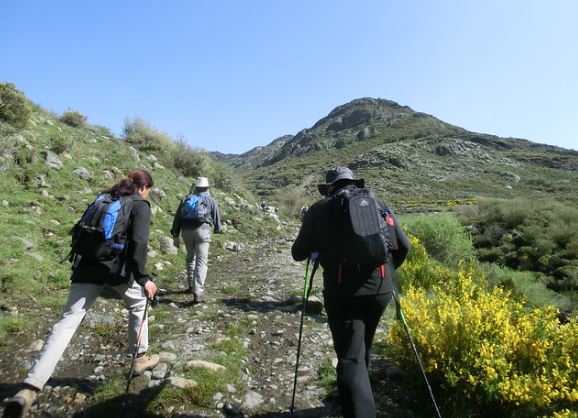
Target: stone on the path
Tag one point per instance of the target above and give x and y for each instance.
(252, 400)
(201, 364)
(36, 346)
(314, 306)
(168, 357)
(181, 382)
(160, 371)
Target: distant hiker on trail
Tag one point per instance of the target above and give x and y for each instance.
(358, 275)
(118, 263)
(195, 216)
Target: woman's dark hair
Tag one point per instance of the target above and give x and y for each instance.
(131, 183)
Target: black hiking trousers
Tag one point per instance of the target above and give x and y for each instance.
(353, 324)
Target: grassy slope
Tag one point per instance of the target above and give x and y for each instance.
(34, 227)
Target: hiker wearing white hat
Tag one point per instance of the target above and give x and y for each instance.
(195, 216)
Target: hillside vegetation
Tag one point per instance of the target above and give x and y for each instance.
(52, 167)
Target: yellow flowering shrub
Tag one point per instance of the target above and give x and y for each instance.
(483, 348)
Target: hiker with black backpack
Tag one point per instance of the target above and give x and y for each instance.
(197, 213)
(359, 244)
(109, 248)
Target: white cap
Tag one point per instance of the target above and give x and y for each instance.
(202, 182)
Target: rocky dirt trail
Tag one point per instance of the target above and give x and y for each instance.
(255, 292)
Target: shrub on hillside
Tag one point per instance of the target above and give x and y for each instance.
(189, 162)
(443, 237)
(418, 270)
(145, 138)
(73, 118)
(528, 235)
(525, 286)
(60, 142)
(483, 349)
(14, 108)
(227, 180)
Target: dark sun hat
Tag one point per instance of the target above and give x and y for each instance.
(338, 173)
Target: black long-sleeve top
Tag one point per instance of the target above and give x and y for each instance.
(318, 234)
(130, 264)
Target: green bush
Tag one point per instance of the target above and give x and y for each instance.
(525, 286)
(60, 142)
(73, 118)
(14, 108)
(144, 137)
(189, 162)
(527, 235)
(442, 235)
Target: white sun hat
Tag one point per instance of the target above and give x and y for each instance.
(202, 182)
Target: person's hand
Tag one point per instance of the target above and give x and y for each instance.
(150, 289)
(176, 242)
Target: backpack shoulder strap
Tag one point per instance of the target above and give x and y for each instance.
(386, 213)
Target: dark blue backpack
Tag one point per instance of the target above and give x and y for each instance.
(101, 232)
(195, 209)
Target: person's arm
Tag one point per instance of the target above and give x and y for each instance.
(177, 222)
(138, 239)
(400, 253)
(217, 227)
(305, 243)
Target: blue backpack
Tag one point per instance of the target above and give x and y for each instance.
(196, 209)
(101, 232)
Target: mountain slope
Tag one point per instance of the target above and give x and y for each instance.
(409, 156)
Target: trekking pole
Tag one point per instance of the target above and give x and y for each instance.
(135, 353)
(401, 317)
(306, 291)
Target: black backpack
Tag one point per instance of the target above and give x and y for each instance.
(101, 232)
(362, 229)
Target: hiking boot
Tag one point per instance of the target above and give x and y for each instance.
(18, 406)
(144, 363)
(200, 297)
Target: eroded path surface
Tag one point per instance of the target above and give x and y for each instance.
(253, 296)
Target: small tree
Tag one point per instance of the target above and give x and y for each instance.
(14, 108)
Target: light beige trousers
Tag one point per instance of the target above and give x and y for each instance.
(197, 241)
(80, 298)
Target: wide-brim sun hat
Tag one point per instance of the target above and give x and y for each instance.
(202, 182)
(338, 173)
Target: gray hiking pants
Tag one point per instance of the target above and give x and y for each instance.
(197, 241)
(80, 298)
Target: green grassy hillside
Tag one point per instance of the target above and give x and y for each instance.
(52, 167)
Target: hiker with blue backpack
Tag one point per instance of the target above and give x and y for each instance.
(109, 248)
(196, 215)
(359, 243)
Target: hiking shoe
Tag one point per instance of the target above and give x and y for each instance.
(18, 406)
(200, 297)
(144, 363)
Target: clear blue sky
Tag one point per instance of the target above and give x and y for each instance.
(232, 75)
